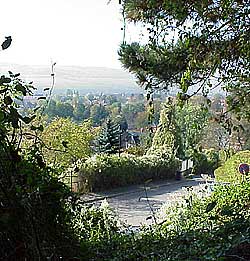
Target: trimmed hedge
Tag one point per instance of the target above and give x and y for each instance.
(229, 171)
(102, 172)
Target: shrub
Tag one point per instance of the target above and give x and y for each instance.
(208, 228)
(102, 172)
(135, 150)
(205, 162)
(34, 220)
(229, 171)
(225, 154)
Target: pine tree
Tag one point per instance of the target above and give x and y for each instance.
(109, 139)
(194, 45)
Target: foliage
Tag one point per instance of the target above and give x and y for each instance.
(195, 45)
(122, 122)
(104, 171)
(180, 129)
(210, 227)
(109, 139)
(191, 121)
(224, 155)
(135, 150)
(95, 227)
(66, 142)
(141, 120)
(229, 171)
(215, 136)
(205, 162)
(81, 112)
(146, 139)
(213, 227)
(34, 221)
(166, 139)
(98, 114)
(59, 109)
(131, 110)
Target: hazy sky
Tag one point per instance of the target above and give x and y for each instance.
(69, 32)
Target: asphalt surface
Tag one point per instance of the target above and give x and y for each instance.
(137, 205)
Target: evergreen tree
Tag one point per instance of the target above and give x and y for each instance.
(166, 141)
(109, 139)
(194, 45)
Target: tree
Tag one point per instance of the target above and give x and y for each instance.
(180, 129)
(210, 47)
(60, 109)
(166, 141)
(66, 141)
(81, 112)
(141, 120)
(51, 109)
(191, 121)
(130, 110)
(122, 122)
(64, 110)
(109, 139)
(98, 114)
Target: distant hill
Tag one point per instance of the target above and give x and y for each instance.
(83, 79)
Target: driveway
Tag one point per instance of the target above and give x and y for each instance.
(135, 205)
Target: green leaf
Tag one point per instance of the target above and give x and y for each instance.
(14, 117)
(4, 79)
(3, 90)
(2, 116)
(21, 89)
(211, 206)
(27, 120)
(226, 211)
(65, 144)
(40, 128)
(8, 100)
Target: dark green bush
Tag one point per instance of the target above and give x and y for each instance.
(229, 172)
(34, 217)
(205, 162)
(110, 171)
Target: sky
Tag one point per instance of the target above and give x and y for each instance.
(68, 32)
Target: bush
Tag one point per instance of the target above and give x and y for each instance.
(214, 227)
(229, 171)
(205, 162)
(135, 150)
(34, 219)
(110, 171)
(95, 227)
(224, 155)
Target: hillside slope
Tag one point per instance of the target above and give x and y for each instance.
(83, 79)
